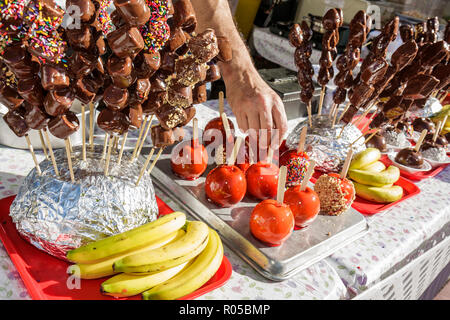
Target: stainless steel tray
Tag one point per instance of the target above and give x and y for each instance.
(303, 248)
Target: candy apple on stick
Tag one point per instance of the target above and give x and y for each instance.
(225, 185)
(191, 161)
(217, 124)
(262, 179)
(303, 201)
(272, 221)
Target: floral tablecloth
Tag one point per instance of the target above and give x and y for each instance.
(395, 237)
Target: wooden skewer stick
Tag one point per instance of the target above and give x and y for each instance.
(437, 131)
(369, 121)
(226, 125)
(308, 174)
(421, 138)
(333, 106)
(108, 157)
(122, 147)
(105, 145)
(156, 159)
(91, 125)
(301, 142)
(443, 124)
(70, 144)
(221, 103)
(115, 142)
(335, 112)
(232, 159)
(138, 142)
(322, 96)
(343, 112)
(36, 163)
(443, 97)
(83, 130)
(308, 108)
(281, 184)
(44, 148)
(50, 150)
(195, 130)
(69, 160)
(144, 137)
(149, 158)
(346, 163)
(371, 136)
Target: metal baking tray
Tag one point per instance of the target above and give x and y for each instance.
(302, 249)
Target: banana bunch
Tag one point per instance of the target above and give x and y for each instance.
(372, 180)
(164, 259)
(440, 117)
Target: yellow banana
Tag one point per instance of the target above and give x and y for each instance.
(196, 236)
(376, 179)
(128, 241)
(193, 276)
(126, 285)
(379, 194)
(104, 268)
(377, 166)
(365, 158)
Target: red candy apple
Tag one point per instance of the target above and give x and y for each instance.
(262, 180)
(272, 222)
(191, 161)
(305, 205)
(209, 134)
(225, 185)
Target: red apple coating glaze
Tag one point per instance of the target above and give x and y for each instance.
(217, 124)
(262, 180)
(305, 205)
(272, 222)
(191, 161)
(225, 185)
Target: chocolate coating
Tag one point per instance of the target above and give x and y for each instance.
(153, 103)
(377, 141)
(204, 46)
(332, 19)
(170, 116)
(134, 12)
(296, 36)
(35, 117)
(59, 101)
(134, 116)
(420, 124)
(85, 90)
(404, 55)
(112, 122)
(213, 73)
(115, 98)
(188, 72)
(409, 157)
(80, 39)
(184, 16)
(64, 125)
(86, 8)
(360, 94)
(177, 39)
(53, 77)
(420, 86)
(16, 123)
(199, 94)
(349, 114)
(406, 32)
(125, 41)
(180, 96)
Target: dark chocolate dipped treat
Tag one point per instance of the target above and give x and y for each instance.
(115, 98)
(133, 12)
(420, 124)
(153, 103)
(184, 16)
(82, 64)
(35, 117)
(86, 9)
(53, 77)
(204, 46)
(190, 114)
(64, 125)
(177, 39)
(161, 137)
(31, 90)
(406, 32)
(9, 97)
(126, 42)
(188, 72)
(16, 122)
(170, 116)
(146, 64)
(85, 90)
(404, 55)
(58, 101)
(180, 96)
(139, 91)
(112, 122)
(377, 141)
(420, 86)
(409, 157)
(199, 94)
(441, 141)
(134, 115)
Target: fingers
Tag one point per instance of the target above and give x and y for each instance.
(279, 118)
(266, 124)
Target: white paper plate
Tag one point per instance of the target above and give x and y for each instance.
(435, 164)
(426, 166)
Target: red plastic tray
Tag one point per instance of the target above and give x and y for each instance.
(45, 276)
(369, 207)
(418, 175)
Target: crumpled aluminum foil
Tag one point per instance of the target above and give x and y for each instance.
(322, 145)
(431, 107)
(55, 215)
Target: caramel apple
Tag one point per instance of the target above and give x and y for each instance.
(409, 157)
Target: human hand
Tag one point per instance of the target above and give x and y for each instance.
(255, 105)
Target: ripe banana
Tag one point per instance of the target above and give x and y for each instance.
(365, 158)
(377, 194)
(377, 166)
(128, 241)
(169, 255)
(193, 276)
(104, 268)
(127, 285)
(375, 179)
